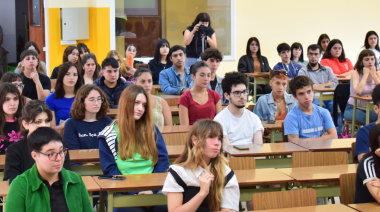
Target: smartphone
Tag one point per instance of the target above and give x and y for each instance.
(329, 86)
(241, 147)
(341, 76)
(112, 177)
(271, 122)
(263, 73)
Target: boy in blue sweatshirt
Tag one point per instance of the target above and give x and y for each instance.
(291, 67)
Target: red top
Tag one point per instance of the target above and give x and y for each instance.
(282, 117)
(338, 67)
(197, 111)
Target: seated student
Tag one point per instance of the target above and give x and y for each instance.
(296, 54)
(335, 58)
(41, 68)
(88, 118)
(275, 105)
(202, 165)
(47, 186)
(240, 126)
(138, 150)
(199, 102)
(176, 79)
(83, 50)
(17, 80)
(363, 80)
(125, 70)
(111, 84)
(71, 54)
(371, 42)
(161, 59)
(162, 114)
(307, 121)
(131, 49)
(323, 42)
(362, 143)
(10, 112)
(18, 159)
(90, 69)
(37, 85)
(368, 172)
(254, 62)
(320, 75)
(291, 67)
(68, 83)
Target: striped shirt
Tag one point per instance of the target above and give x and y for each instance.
(365, 172)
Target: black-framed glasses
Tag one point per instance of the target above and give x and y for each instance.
(239, 93)
(53, 156)
(19, 85)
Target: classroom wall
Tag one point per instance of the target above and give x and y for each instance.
(8, 24)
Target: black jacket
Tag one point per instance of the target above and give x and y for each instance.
(113, 99)
(341, 96)
(18, 159)
(245, 64)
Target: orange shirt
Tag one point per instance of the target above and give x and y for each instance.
(338, 67)
(282, 117)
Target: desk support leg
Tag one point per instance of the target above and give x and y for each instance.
(254, 91)
(326, 200)
(367, 111)
(91, 198)
(283, 187)
(101, 201)
(110, 201)
(321, 99)
(272, 132)
(353, 119)
(248, 87)
(4, 203)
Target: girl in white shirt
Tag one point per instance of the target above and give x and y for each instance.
(200, 180)
(371, 42)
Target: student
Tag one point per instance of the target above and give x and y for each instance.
(41, 68)
(275, 105)
(47, 186)
(254, 62)
(17, 80)
(68, 83)
(371, 42)
(90, 68)
(307, 122)
(161, 60)
(323, 42)
(71, 54)
(111, 84)
(162, 114)
(176, 79)
(240, 126)
(296, 54)
(131, 49)
(132, 144)
(36, 85)
(202, 165)
(291, 67)
(192, 38)
(18, 159)
(363, 81)
(368, 172)
(199, 102)
(335, 58)
(125, 70)
(362, 143)
(10, 112)
(83, 50)
(88, 118)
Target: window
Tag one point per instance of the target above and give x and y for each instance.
(144, 22)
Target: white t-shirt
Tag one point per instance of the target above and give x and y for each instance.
(377, 55)
(230, 193)
(239, 130)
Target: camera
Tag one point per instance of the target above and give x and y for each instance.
(202, 28)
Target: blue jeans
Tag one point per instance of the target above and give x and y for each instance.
(328, 104)
(360, 115)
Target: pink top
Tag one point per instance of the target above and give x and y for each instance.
(197, 111)
(368, 88)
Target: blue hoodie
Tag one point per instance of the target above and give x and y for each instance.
(292, 69)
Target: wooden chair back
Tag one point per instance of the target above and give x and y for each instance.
(241, 163)
(353, 145)
(308, 159)
(284, 199)
(347, 188)
(172, 139)
(284, 137)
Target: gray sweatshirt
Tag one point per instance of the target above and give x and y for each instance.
(319, 76)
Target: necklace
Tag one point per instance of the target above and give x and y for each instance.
(278, 102)
(164, 66)
(196, 96)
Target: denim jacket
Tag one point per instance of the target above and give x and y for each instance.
(266, 109)
(170, 80)
(218, 88)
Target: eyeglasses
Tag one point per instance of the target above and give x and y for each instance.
(53, 156)
(280, 72)
(239, 93)
(92, 100)
(19, 85)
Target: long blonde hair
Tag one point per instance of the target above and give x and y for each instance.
(191, 157)
(136, 136)
(123, 64)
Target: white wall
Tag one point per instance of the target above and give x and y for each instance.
(8, 23)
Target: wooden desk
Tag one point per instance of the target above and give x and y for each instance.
(275, 130)
(318, 208)
(324, 94)
(256, 150)
(172, 100)
(2, 162)
(343, 79)
(175, 151)
(327, 145)
(259, 79)
(175, 135)
(368, 108)
(112, 113)
(174, 110)
(367, 207)
(84, 155)
(155, 90)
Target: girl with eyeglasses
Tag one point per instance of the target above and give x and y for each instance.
(18, 159)
(88, 118)
(17, 80)
(47, 186)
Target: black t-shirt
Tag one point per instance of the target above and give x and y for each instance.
(135, 62)
(111, 90)
(364, 174)
(57, 196)
(157, 68)
(194, 49)
(12, 135)
(30, 89)
(54, 74)
(213, 84)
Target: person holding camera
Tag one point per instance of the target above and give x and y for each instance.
(192, 38)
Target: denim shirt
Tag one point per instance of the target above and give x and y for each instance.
(218, 88)
(170, 80)
(266, 109)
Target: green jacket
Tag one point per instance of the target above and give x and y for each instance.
(29, 193)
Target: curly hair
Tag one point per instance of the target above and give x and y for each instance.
(299, 82)
(212, 53)
(233, 78)
(30, 112)
(78, 109)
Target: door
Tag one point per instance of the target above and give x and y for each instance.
(37, 25)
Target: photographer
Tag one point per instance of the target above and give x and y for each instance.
(192, 38)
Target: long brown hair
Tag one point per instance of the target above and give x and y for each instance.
(63, 69)
(140, 134)
(123, 65)
(191, 157)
